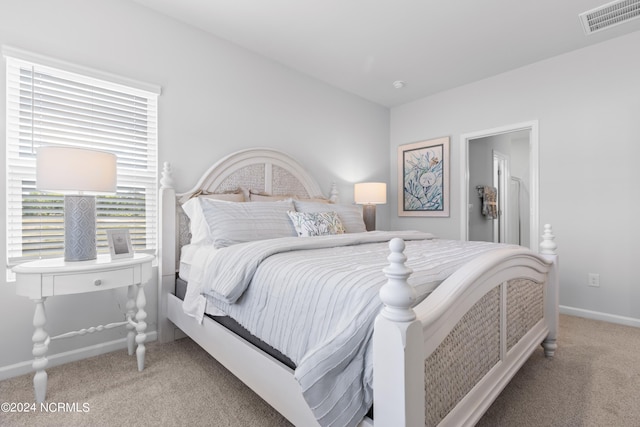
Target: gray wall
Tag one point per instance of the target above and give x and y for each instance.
(217, 98)
(588, 106)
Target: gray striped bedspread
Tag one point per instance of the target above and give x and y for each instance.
(316, 299)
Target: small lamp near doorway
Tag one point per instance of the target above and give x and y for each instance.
(370, 194)
(79, 174)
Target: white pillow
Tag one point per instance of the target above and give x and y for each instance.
(309, 224)
(230, 223)
(350, 215)
(197, 223)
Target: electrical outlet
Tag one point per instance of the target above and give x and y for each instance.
(594, 280)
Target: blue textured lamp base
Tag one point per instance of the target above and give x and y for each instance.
(79, 228)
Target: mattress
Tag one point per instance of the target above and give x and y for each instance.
(236, 328)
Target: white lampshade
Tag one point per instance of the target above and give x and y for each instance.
(79, 174)
(70, 170)
(370, 193)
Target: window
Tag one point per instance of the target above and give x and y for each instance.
(54, 103)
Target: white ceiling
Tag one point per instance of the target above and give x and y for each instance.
(363, 46)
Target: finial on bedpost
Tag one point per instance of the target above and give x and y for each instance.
(398, 354)
(166, 181)
(333, 194)
(397, 295)
(548, 246)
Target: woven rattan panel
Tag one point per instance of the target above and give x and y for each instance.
(184, 234)
(250, 177)
(470, 350)
(285, 184)
(525, 307)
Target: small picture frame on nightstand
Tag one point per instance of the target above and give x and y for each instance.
(119, 243)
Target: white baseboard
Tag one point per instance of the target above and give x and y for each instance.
(595, 315)
(22, 368)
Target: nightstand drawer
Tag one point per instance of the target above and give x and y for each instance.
(93, 281)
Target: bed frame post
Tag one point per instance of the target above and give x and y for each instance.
(398, 349)
(166, 252)
(548, 249)
(333, 194)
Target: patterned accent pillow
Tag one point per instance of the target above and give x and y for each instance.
(316, 223)
(350, 215)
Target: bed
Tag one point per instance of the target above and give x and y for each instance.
(439, 347)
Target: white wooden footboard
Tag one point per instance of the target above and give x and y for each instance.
(445, 361)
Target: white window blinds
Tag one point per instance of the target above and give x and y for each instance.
(54, 106)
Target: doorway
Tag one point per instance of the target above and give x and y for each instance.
(505, 161)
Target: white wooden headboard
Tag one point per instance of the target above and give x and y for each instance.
(260, 170)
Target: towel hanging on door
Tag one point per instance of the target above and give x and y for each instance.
(489, 201)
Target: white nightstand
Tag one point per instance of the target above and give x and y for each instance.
(45, 278)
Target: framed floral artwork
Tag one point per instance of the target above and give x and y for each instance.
(423, 178)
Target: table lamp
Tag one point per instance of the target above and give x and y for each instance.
(79, 174)
(370, 194)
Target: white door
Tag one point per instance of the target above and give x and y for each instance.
(501, 181)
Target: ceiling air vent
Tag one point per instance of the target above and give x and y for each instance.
(610, 14)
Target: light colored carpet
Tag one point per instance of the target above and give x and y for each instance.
(594, 380)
